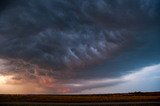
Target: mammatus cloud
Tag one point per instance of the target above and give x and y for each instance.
(57, 43)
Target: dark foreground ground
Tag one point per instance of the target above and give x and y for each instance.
(131, 99)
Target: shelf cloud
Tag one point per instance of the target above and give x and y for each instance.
(57, 43)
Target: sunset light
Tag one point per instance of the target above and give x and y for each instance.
(2, 80)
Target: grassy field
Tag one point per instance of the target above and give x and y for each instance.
(126, 97)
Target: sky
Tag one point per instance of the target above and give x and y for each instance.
(79, 46)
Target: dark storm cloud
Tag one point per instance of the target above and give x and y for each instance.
(59, 37)
(54, 34)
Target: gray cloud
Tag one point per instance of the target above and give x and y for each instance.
(65, 38)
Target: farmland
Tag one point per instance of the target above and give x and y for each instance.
(101, 98)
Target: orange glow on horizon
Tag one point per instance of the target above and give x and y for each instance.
(10, 86)
(4, 79)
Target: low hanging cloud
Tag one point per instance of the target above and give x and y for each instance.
(57, 42)
(135, 81)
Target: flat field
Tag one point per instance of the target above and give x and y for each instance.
(103, 99)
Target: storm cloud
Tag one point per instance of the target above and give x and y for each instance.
(69, 41)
